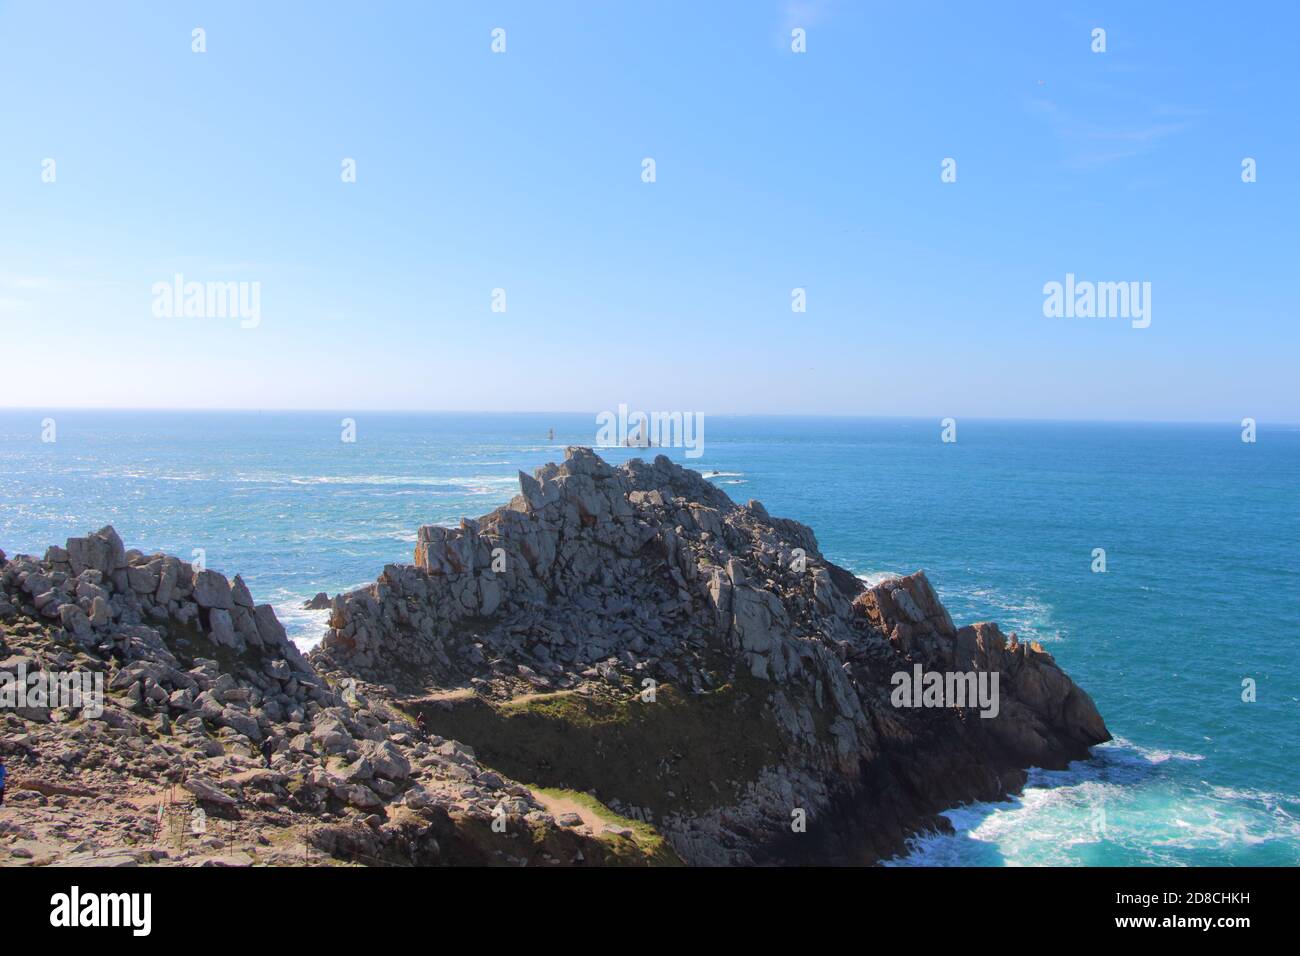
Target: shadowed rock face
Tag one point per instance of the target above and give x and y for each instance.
(631, 633)
(600, 583)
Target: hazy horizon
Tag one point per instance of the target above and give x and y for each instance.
(846, 416)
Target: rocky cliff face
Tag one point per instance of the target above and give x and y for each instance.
(597, 589)
(215, 742)
(620, 665)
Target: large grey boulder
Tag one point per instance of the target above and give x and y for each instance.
(90, 553)
(269, 626)
(169, 573)
(332, 735)
(223, 629)
(239, 593)
(74, 620)
(206, 789)
(386, 760)
(211, 589)
(143, 578)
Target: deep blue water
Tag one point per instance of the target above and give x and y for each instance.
(1201, 588)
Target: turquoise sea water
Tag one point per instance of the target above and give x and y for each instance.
(1201, 589)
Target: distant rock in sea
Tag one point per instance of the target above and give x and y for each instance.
(320, 602)
(679, 678)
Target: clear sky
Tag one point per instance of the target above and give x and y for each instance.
(774, 170)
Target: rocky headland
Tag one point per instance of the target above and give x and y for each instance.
(620, 666)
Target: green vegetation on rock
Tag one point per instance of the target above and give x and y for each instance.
(681, 752)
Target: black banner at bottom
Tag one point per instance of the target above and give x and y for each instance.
(333, 905)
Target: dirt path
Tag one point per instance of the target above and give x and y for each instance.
(557, 805)
(454, 696)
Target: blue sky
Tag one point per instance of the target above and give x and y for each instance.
(775, 170)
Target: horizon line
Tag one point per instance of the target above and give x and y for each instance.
(847, 416)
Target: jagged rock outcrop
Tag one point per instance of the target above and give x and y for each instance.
(596, 583)
(657, 661)
(101, 593)
(1045, 714)
(204, 709)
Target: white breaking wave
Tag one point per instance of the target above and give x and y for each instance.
(152, 476)
(1123, 806)
(1122, 746)
(872, 578)
(304, 627)
(1030, 618)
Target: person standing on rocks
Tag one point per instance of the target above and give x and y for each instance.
(266, 750)
(4, 772)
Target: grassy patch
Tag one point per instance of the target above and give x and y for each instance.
(683, 752)
(645, 844)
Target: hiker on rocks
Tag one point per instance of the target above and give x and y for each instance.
(419, 721)
(4, 772)
(266, 750)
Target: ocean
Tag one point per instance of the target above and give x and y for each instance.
(1200, 591)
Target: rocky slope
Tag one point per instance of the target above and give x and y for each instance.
(619, 666)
